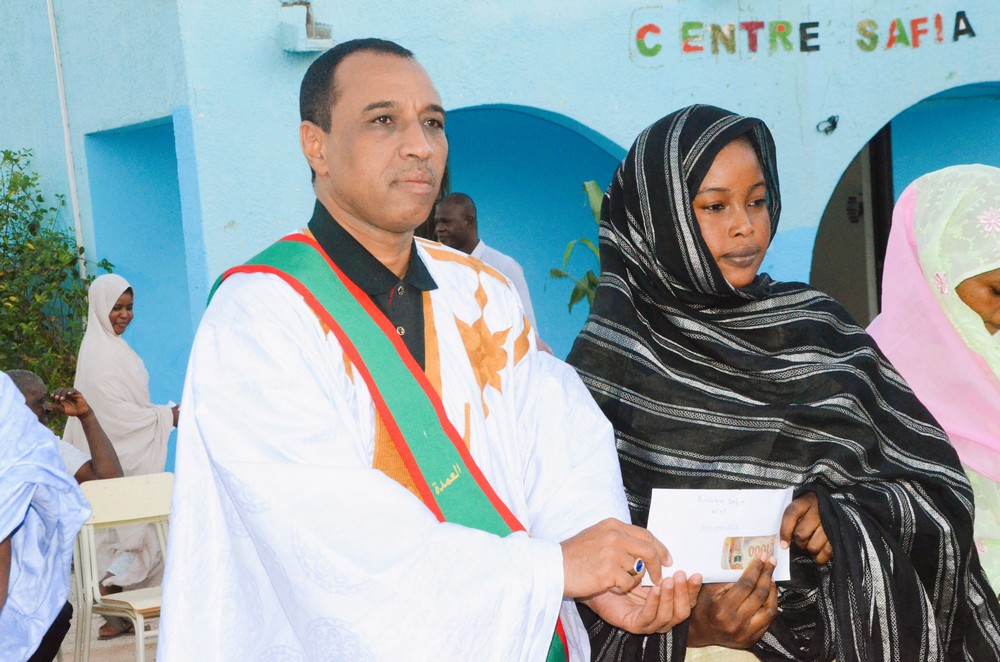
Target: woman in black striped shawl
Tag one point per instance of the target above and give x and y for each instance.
(715, 376)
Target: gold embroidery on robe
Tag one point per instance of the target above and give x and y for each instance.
(348, 366)
(485, 348)
(438, 253)
(432, 352)
(522, 344)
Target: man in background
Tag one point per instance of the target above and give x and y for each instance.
(457, 227)
(102, 461)
(43, 509)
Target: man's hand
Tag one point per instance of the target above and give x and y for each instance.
(68, 401)
(736, 615)
(176, 412)
(801, 523)
(649, 609)
(600, 558)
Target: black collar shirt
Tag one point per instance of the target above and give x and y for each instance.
(400, 299)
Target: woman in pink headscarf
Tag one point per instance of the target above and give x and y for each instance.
(939, 322)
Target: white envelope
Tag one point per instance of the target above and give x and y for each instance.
(696, 526)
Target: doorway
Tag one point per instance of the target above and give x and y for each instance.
(136, 206)
(961, 125)
(850, 243)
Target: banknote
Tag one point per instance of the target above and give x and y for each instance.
(738, 551)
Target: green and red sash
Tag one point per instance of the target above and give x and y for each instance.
(450, 483)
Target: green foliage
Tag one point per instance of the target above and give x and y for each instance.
(583, 287)
(43, 299)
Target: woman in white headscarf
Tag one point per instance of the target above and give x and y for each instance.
(117, 387)
(939, 322)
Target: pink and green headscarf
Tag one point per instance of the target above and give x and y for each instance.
(945, 229)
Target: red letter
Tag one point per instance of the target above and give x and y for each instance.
(938, 28)
(916, 30)
(751, 27)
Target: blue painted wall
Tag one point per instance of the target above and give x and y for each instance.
(190, 195)
(220, 71)
(137, 226)
(954, 127)
(525, 170)
(29, 104)
(122, 65)
(579, 62)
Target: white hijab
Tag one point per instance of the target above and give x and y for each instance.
(114, 380)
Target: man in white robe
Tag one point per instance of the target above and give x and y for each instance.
(41, 511)
(295, 534)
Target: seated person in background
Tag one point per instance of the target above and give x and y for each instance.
(939, 321)
(456, 226)
(103, 461)
(41, 511)
(715, 376)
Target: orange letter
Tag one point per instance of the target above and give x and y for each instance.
(916, 30)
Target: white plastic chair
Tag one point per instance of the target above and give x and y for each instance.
(119, 502)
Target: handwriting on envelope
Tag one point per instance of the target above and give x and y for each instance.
(716, 533)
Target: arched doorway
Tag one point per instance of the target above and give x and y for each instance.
(525, 169)
(960, 125)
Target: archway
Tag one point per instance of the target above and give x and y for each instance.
(959, 125)
(525, 169)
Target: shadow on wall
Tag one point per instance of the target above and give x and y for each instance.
(525, 169)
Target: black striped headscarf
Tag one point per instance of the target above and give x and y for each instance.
(773, 385)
